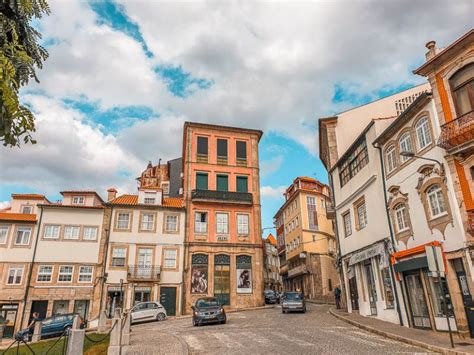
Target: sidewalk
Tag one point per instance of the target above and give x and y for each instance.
(438, 342)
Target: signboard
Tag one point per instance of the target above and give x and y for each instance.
(244, 280)
(371, 252)
(434, 255)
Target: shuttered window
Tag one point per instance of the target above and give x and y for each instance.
(242, 184)
(222, 148)
(202, 145)
(201, 181)
(222, 183)
(241, 150)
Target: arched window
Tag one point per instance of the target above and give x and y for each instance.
(405, 146)
(423, 133)
(401, 215)
(436, 201)
(462, 87)
(391, 158)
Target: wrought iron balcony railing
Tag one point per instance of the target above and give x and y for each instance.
(138, 272)
(222, 196)
(458, 132)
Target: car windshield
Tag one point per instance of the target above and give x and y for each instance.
(293, 296)
(207, 303)
(269, 293)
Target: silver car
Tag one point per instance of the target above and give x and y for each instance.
(293, 302)
(146, 311)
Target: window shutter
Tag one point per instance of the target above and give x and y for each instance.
(242, 184)
(222, 183)
(201, 181)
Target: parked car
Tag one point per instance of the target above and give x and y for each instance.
(145, 311)
(52, 326)
(293, 302)
(270, 297)
(208, 310)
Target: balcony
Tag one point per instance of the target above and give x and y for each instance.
(143, 273)
(283, 269)
(296, 271)
(458, 135)
(240, 198)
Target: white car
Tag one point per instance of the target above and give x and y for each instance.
(148, 311)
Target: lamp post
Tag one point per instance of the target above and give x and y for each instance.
(413, 155)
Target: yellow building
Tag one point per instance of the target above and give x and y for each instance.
(309, 239)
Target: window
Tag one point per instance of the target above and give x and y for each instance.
(71, 232)
(405, 146)
(423, 133)
(199, 273)
(171, 223)
(202, 146)
(149, 200)
(347, 224)
(51, 232)
(242, 224)
(200, 222)
(170, 256)
(148, 222)
(462, 86)
(388, 288)
(166, 189)
(27, 209)
(361, 214)
(323, 203)
(3, 234)
(23, 236)
(391, 159)
(222, 223)
(123, 220)
(221, 148)
(222, 183)
(90, 233)
(85, 274)
(241, 148)
(436, 201)
(119, 256)
(15, 275)
(242, 184)
(244, 273)
(356, 158)
(201, 181)
(312, 212)
(65, 273)
(45, 273)
(402, 217)
(78, 200)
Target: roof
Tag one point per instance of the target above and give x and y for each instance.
(132, 200)
(272, 239)
(258, 132)
(83, 192)
(29, 197)
(17, 217)
(465, 40)
(60, 205)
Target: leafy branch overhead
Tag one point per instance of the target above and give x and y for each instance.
(20, 55)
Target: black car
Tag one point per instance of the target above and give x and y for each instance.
(208, 310)
(52, 326)
(270, 297)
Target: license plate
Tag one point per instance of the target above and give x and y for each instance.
(292, 307)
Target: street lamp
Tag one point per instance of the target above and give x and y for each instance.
(413, 155)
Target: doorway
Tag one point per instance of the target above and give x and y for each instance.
(371, 287)
(222, 279)
(8, 312)
(416, 297)
(38, 306)
(168, 299)
(145, 256)
(354, 293)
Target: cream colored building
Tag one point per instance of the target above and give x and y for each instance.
(309, 239)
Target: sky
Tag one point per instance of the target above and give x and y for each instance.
(123, 76)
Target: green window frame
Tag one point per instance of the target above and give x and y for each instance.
(202, 181)
(242, 184)
(222, 182)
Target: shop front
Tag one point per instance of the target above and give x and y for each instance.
(8, 316)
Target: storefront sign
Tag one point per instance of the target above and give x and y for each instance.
(372, 252)
(141, 289)
(8, 306)
(244, 280)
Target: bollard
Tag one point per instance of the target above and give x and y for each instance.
(115, 347)
(75, 342)
(37, 332)
(102, 327)
(126, 330)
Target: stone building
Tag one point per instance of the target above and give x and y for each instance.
(224, 255)
(271, 264)
(310, 244)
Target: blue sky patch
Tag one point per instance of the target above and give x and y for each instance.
(179, 82)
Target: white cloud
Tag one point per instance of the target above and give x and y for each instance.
(4, 205)
(271, 166)
(272, 192)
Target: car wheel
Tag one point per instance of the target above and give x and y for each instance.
(67, 329)
(160, 317)
(224, 321)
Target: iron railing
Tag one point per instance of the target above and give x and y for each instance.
(457, 132)
(222, 196)
(138, 272)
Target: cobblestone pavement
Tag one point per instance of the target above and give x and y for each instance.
(264, 332)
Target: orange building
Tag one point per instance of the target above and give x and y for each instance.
(223, 224)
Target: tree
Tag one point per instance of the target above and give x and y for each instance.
(20, 55)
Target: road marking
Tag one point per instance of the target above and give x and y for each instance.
(192, 341)
(227, 341)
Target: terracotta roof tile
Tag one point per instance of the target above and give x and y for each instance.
(18, 217)
(28, 197)
(173, 202)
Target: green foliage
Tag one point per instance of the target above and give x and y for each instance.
(20, 55)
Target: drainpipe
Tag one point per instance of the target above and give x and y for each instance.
(106, 252)
(184, 262)
(30, 272)
(392, 238)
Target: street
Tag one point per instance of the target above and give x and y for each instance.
(266, 331)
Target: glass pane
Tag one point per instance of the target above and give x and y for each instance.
(202, 145)
(222, 148)
(241, 150)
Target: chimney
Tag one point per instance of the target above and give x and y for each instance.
(111, 194)
(432, 50)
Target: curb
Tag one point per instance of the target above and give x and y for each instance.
(397, 337)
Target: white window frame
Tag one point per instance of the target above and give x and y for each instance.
(4, 231)
(48, 229)
(405, 146)
(62, 273)
(347, 224)
(362, 215)
(149, 200)
(119, 221)
(89, 274)
(27, 206)
(436, 194)
(222, 223)
(401, 217)
(169, 224)
(71, 235)
(42, 273)
(166, 188)
(23, 230)
(147, 225)
(173, 259)
(200, 227)
(119, 257)
(86, 234)
(78, 200)
(391, 154)
(243, 225)
(423, 133)
(16, 270)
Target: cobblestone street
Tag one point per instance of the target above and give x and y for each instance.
(265, 331)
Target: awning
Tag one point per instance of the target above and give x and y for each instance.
(371, 252)
(411, 264)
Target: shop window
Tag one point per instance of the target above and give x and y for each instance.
(202, 181)
(244, 273)
(388, 288)
(60, 307)
(438, 298)
(222, 278)
(199, 273)
(462, 87)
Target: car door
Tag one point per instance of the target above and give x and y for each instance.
(46, 326)
(139, 312)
